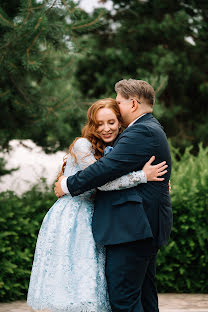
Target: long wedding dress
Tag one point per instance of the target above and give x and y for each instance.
(68, 272)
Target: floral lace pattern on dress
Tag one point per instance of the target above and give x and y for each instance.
(68, 273)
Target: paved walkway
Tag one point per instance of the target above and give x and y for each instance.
(168, 303)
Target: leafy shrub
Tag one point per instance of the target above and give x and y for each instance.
(20, 221)
(182, 265)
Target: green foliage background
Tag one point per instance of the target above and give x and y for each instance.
(39, 45)
(182, 264)
(150, 40)
(56, 58)
(54, 61)
(20, 222)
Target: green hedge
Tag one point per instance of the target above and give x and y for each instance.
(182, 265)
(20, 221)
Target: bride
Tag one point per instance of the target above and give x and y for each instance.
(68, 273)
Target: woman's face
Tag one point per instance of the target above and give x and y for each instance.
(108, 124)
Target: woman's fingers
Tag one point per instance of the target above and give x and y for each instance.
(159, 175)
(155, 172)
(150, 160)
(162, 168)
(160, 165)
(162, 173)
(158, 179)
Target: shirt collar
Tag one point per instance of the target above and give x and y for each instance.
(135, 120)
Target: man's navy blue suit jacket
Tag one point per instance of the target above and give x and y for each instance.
(137, 213)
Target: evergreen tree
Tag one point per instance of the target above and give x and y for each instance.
(39, 43)
(162, 42)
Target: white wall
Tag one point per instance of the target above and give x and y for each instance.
(34, 163)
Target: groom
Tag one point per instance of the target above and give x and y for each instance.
(132, 223)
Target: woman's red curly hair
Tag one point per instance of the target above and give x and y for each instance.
(89, 131)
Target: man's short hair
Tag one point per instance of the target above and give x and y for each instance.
(136, 88)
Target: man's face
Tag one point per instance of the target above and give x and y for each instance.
(125, 106)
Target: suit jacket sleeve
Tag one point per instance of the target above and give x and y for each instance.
(132, 151)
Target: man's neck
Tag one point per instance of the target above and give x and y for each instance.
(133, 121)
(139, 115)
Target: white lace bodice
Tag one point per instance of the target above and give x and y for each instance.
(85, 157)
(68, 273)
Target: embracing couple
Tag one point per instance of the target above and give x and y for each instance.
(97, 246)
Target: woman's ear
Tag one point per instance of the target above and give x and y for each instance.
(119, 128)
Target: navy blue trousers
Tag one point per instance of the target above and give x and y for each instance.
(130, 274)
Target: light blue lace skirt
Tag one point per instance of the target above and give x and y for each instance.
(68, 269)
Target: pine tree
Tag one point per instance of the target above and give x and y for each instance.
(160, 41)
(39, 43)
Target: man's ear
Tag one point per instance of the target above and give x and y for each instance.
(134, 105)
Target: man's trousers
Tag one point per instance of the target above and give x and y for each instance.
(130, 274)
